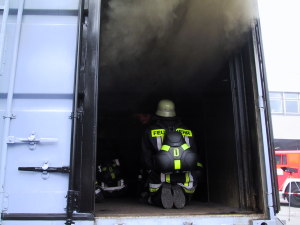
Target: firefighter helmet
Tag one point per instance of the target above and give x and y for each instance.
(166, 108)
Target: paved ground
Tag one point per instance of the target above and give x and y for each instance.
(290, 214)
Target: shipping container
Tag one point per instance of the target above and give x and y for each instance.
(76, 76)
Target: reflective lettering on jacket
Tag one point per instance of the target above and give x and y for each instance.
(184, 132)
(161, 132)
(158, 132)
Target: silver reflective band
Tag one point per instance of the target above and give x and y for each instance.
(154, 185)
(159, 142)
(162, 177)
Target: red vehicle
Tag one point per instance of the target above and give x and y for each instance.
(288, 174)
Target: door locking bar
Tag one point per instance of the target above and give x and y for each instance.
(64, 169)
(32, 140)
(46, 169)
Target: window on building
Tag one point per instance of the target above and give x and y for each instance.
(284, 160)
(281, 159)
(291, 102)
(276, 102)
(285, 103)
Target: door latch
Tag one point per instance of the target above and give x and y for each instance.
(64, 169)
(32, 140)
(46, 169)
(12, 116)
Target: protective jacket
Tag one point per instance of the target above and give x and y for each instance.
(154, 143)
(154, 135)
(175, 154)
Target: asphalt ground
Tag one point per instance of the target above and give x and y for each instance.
(291, 215)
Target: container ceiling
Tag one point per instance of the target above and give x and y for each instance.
(162, 48)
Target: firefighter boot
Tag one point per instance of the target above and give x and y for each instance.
(178, 196)
(166, 196)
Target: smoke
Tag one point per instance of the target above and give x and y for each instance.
(191, 32)
(133, 24)
(166, 47)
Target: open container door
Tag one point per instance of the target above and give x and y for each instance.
(37, 88)
(84, 144)
(253, 130)
(268, 154)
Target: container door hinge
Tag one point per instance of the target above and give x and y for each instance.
(72, 205)
(76, 115)
(5, 202)
(261, 102)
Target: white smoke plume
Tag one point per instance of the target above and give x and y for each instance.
(133, 24)
(187, 31)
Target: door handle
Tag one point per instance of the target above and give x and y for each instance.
(32, 140)
(46, 169)
(64, 169)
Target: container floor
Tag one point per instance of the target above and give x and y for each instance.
(127, 207)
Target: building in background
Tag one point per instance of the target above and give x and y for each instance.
(280, 22)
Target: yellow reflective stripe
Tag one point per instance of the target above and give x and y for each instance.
(165, 148)
(199, 164)
(168, 178)
(187, 178)
(158, 132)
(185, 146)
(189, 191)
(176, 152)
(113, 176)
(161, 132)
(185, 132)
(153, 189)
(177, 164)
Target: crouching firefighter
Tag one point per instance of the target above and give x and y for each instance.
(169, 156)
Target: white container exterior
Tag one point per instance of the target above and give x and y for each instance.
(36, 92)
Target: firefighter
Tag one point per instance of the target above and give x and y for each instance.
(169, 156)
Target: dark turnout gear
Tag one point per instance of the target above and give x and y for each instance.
(170, 156)
(175, 154)
(110, 182)
(154, 136)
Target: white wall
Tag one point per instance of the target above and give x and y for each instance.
(286, 127)
(280, 22)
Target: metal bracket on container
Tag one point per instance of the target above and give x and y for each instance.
(261, 102)
(72, 205)
(76, 115)
(32, 140)
(5, 202)
(12, 116)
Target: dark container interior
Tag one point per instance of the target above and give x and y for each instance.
(215, 92)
